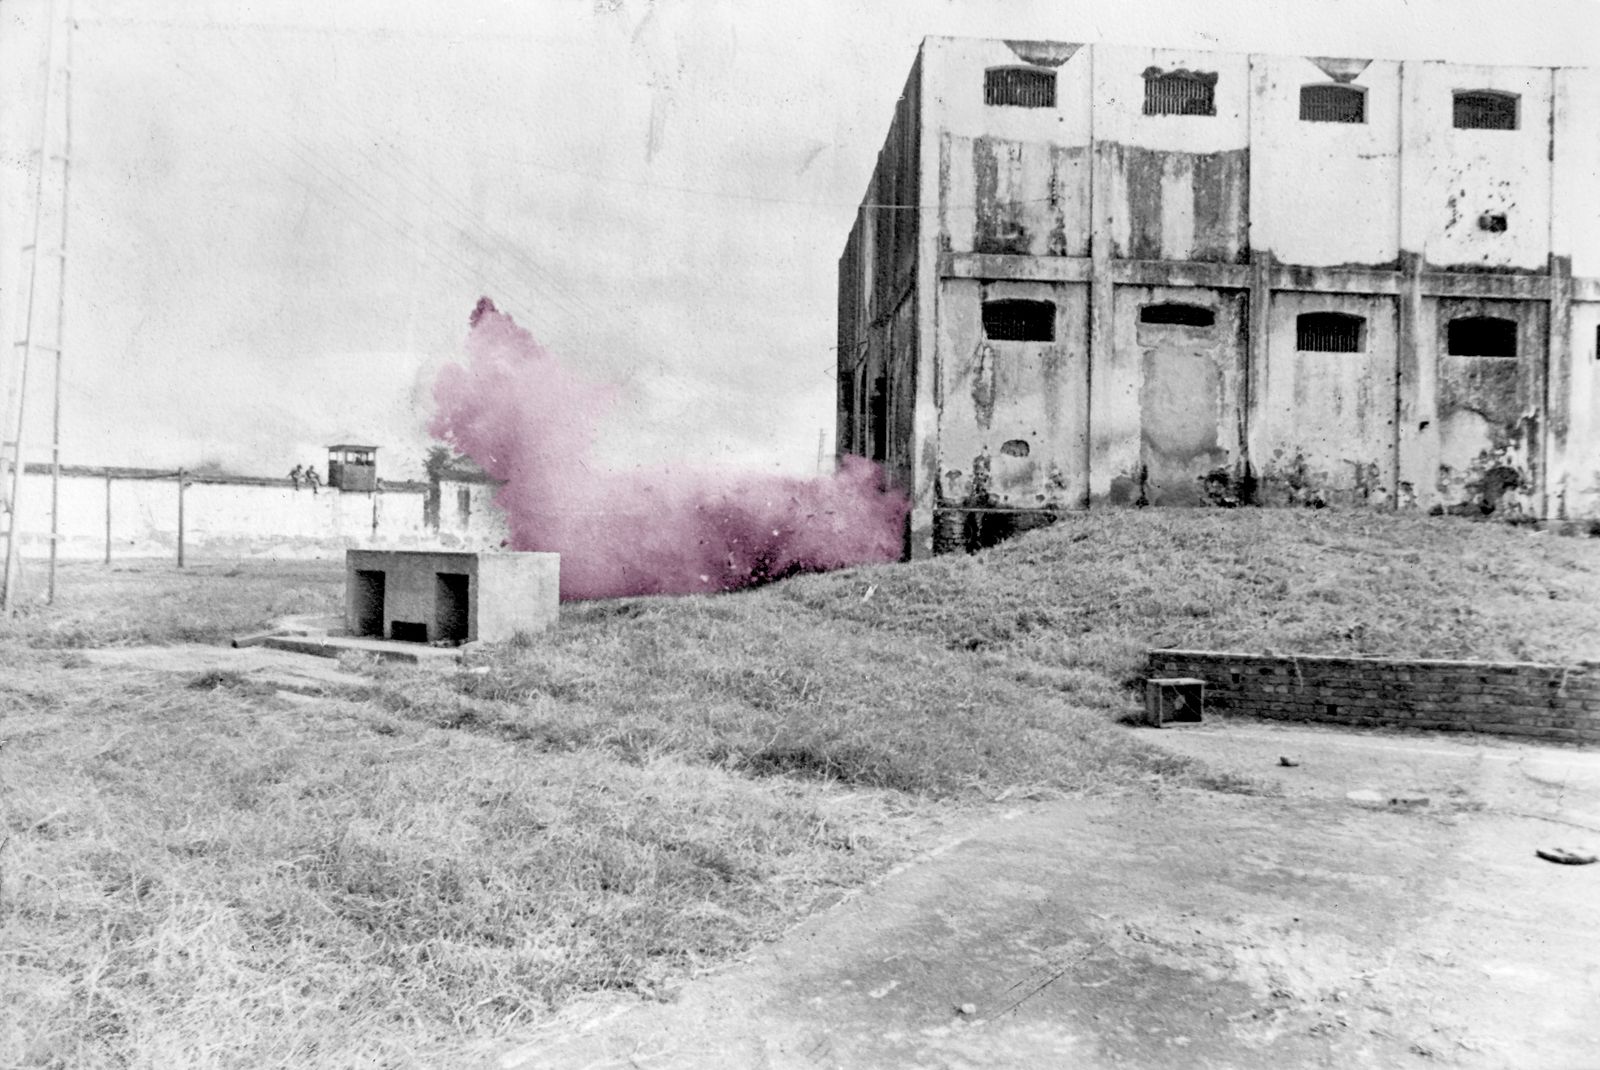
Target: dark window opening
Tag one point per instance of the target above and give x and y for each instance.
(1482, 336)
(1019, 87)
(878, 418)
(367, 595)
(450, 605)
(408, 631)
(1484, 109)
(1332, 104)
(1179, 92)
(464, 505)
(1330, 332)
(1019, 321)
(1178, 315)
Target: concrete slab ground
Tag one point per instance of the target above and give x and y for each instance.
(1161, 928)
(294, 673)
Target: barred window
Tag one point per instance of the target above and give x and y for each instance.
(1332, 104)
(1482, 336)
(1485, 109)
(1179, 92)
(1019, 321)
(1019, 87)
(1330, 332)
(1178, 315)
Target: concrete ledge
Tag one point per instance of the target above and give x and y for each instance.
(331, 646)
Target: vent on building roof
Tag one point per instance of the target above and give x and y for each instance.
(1330, 332)
(1482, 336)
(1019, 87)
(1179, 92)
(1485, 109)
(1332, 104)
(1177, 315)
(1019, 321)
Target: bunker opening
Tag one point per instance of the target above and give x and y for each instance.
(408, 631)
(450, 606)
(368, 588)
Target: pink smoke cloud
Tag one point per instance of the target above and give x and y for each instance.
(530, 423)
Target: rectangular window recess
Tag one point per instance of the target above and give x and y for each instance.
(1019, 87)
(1019, 321)
(1332, 104)
(1179, 92)
(1330, 332)
(1484, 109)
(1481, 336)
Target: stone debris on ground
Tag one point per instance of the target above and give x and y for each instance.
(1564, 857)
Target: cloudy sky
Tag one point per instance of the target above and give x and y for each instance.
(282, 211)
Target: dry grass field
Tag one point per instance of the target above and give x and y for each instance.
(198, 870)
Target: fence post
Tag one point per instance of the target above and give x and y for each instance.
(180, 518)
(108, 518)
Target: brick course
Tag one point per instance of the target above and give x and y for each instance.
(1524, 699)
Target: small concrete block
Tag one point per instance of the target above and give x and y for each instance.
(1173, 700)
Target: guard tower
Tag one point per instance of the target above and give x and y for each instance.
(353, 467)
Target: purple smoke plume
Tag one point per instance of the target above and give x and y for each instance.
(530, 423)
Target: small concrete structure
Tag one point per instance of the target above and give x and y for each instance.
(1173, 700)
(440, 596)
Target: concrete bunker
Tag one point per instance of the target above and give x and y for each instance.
(448, 597)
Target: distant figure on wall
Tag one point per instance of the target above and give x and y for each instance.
(312, 479)
(295, 475)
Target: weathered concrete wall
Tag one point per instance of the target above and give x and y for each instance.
(1324, 193)
(1575, 466)
(1551, 702)
(1013, 415)
(263, 517)
(879, 325)
(521, 592)
(1184, 390)
(1488, 412)
(1008, 179)
(1326, 426)
(1464, 176)
(1180, 183)
(469, 516)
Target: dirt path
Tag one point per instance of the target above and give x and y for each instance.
(1183, 928)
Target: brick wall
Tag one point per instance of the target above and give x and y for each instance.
(1555, 702)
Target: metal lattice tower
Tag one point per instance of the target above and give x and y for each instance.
(38, 333)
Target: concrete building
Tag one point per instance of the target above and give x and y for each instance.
(1089, 274)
